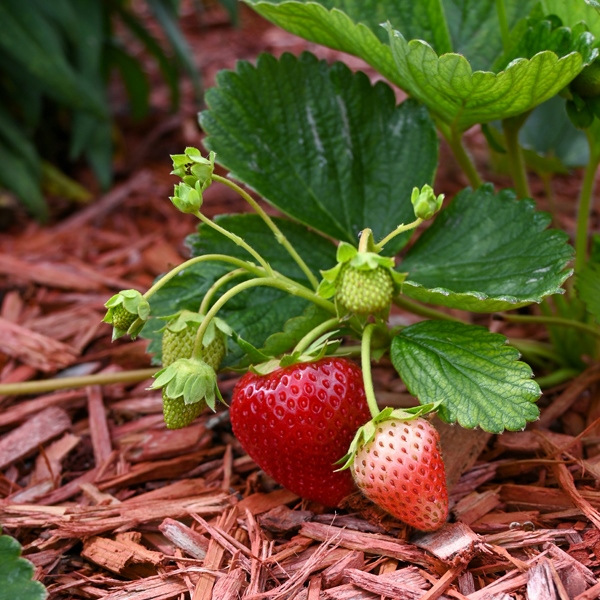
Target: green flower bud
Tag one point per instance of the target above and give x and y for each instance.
(425, 203)
(187, 199)
(127, 312)
(193, 168)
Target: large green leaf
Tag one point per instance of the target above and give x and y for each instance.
(487, 252)
(16, 574)
(462, 97)
(322, 144)
(423, 20)
(472, 372)
(475, 28)
(258, 313)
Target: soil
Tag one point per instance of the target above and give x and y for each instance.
(108, 503)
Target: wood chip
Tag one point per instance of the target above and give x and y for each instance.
(27, 438)
(34, 349)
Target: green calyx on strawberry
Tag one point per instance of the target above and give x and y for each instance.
(188, 382)
(127, 312)
(396, 461)
(179, 337)
(363, 282)
(294, 422)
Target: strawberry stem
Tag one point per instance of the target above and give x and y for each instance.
(204, 258)
(279, 282)
(366, 369)
(236, 239)
(279, 236)
(424, 311)
(218, 284)
(400, 229)
(62, 383)
(314, 334)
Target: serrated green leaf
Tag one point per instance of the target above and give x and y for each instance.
(16, 574)
(322, 144)
(487, 252)
(473, 373)
(423, 20)
(461, 97)
(587, 284)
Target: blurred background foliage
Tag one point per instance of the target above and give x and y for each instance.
(57, 60)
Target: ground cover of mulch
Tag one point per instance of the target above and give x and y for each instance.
(108, 503)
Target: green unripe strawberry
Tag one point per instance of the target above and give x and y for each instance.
(177, 413)
(365, 291)
(122, 319)
(587, 83)
(180, 344)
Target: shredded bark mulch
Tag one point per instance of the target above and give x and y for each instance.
(109, 504)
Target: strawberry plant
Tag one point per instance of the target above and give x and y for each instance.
(351, 171)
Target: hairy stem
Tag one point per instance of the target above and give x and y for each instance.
(236, 239)
(315, 333)
(454, 140)
(278, 282)
(204, 258)
(365, 357)
(62, 383)
(400, 229)
(583, 210)
(279, 236)
(516, 161)
(216, 286)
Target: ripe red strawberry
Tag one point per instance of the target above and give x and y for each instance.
(401, 469)
(297, 421)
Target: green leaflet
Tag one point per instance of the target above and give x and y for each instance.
(473, 373)
(572, 12)
(16, 574)
(423, 20)
(322, 144)
(487, 252)
(461, 97)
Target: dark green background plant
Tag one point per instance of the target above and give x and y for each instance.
(56, 60)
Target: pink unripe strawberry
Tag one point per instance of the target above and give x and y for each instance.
(401, 470)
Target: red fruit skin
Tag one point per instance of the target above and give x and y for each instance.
(296, 422)
(401, 469)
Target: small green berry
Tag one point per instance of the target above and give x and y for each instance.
(122, 319)
(180, 344)
(365, 291)
(177, 413)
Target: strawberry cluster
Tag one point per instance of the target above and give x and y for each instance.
(297, 414)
